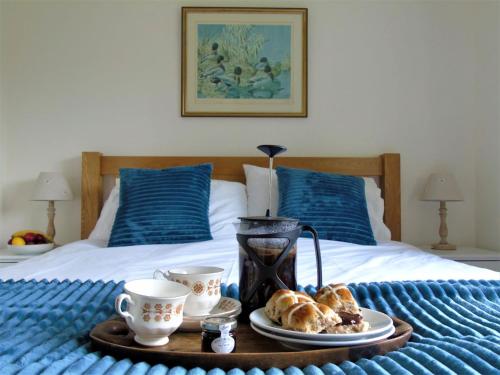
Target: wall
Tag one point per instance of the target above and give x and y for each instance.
(2, 128)
(104, 76)
(488, 134)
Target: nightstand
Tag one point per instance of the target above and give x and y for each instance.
(475, 257)
(7, 258)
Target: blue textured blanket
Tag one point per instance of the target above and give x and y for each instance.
(45, 326)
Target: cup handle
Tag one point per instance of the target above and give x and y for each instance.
(160, 275)
(118, 306)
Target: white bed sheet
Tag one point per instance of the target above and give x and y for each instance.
(342, 262)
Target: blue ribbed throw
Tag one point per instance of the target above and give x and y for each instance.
(44, 329)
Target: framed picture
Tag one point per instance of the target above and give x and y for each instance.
(244, 62)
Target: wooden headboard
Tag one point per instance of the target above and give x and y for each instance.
(386, 166)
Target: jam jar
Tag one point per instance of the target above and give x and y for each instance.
(218, 335)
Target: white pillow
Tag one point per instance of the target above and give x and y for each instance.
(102, 229)
(257, 181)
(228, 201)
(375, 205)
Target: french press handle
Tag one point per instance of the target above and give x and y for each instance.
(319, 265)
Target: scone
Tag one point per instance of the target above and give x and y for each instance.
(309, 317)
(351, 323)
(338, 297)
(281, 300)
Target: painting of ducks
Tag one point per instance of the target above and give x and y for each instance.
(215, 70)
(255, 50)
(212, 56)
(246, 61)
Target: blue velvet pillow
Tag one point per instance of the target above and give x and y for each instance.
(167, 206)
(335, 205)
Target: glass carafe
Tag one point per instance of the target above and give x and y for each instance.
(268, 258)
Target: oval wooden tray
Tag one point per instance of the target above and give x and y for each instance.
(253, 350)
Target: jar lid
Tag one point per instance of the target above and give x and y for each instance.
(213, 324)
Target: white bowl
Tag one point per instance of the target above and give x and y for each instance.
(31, 249)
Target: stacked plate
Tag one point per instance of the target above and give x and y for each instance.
(227, 307)
(381, 327)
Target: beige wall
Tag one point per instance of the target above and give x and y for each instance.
(2, 144)
(488, 134)
(384, 77)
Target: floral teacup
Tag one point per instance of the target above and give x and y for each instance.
(154, 309)
(204, 283)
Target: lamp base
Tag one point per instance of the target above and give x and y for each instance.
(443, 246)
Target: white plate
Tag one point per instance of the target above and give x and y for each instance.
(379, 323)
(297, 344)
(361, 338)
(227, 307)
(31, 249)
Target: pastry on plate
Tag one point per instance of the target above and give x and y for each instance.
(339, 298)
(309, 317)
(351, 323)
(281, 300)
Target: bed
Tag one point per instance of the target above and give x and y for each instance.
(49, 303)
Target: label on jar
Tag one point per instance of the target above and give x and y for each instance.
(225, 343)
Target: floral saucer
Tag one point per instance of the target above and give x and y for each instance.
(227, 307)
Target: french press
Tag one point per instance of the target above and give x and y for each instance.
(268, 251)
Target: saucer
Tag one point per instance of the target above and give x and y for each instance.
(227, 307)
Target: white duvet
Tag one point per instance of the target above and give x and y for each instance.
(342, 262)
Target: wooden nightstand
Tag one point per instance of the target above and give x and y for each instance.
(8, 258)
(475, 257)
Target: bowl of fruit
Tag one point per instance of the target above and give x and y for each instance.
(30, 242)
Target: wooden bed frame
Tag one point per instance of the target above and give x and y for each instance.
(386, 166)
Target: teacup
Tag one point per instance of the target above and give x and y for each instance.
(204, 283)
(154, 309)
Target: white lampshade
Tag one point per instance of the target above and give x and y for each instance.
(52, 186)
(442, 187)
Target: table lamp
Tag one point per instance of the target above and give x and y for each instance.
(51, 186)
(443, 188)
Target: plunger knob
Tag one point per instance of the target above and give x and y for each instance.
(271, 150)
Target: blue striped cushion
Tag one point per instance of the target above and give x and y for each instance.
(335, 205)
(166, 206)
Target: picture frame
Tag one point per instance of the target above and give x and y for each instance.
(244, 62)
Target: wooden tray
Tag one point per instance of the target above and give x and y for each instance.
(253, 350)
